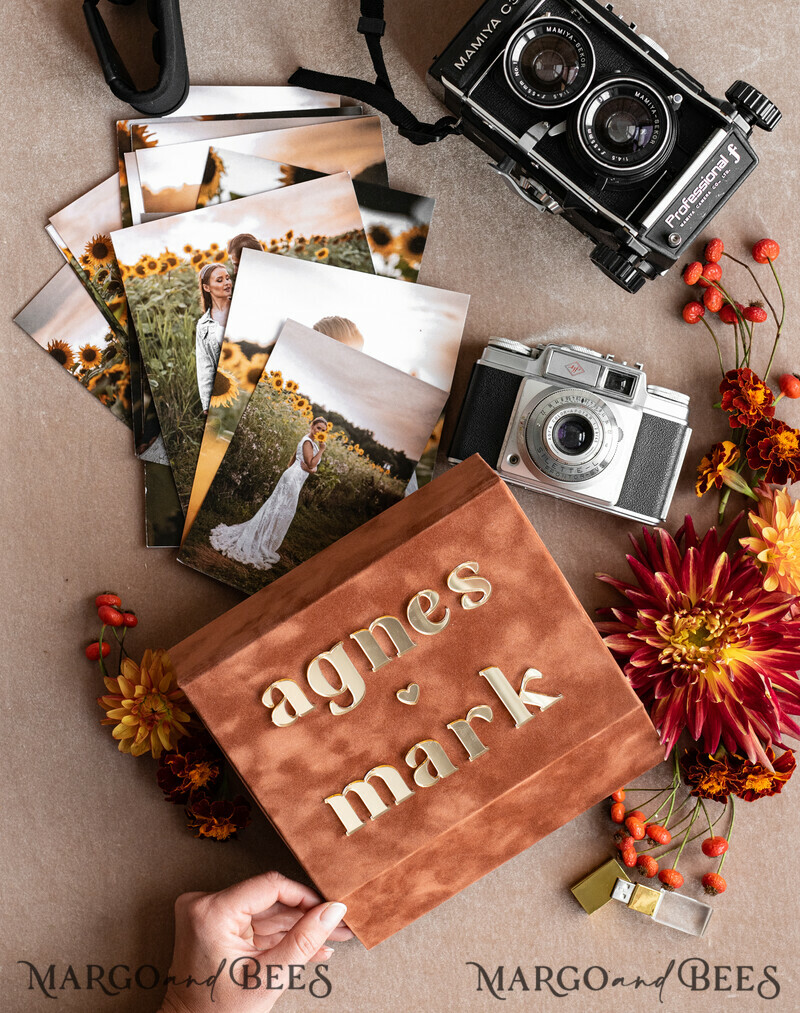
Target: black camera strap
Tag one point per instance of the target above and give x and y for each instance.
(380, 95)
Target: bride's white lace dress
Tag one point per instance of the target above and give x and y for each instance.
(257, 541)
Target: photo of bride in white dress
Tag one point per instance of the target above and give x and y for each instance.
(257, 541)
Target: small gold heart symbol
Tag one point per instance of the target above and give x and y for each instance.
(409, 695)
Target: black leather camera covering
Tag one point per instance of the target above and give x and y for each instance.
(654, 460)
(485, 414)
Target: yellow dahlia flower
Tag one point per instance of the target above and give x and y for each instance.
(775, 539)
(148, 710)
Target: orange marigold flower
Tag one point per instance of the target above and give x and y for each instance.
(746, 398)
(774, 446)
(219, 820)
(183, 774)
(775, 539)
(710, 470)
(710, 776)
(758, 780)
(148, 710)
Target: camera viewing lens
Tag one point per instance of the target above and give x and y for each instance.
(623, 128)
(549, 62)
(573, 435)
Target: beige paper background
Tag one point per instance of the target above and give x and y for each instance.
(92, 856)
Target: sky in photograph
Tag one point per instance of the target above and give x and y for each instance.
(63, 310)
(400, 410)
(415, 328)
(325, 206)
(95, 213)
(352, 144)
(167, 131)
(216, 100)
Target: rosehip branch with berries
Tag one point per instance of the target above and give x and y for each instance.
(763, 448)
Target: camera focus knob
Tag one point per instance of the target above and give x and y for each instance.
(754, 105)
(618, 268)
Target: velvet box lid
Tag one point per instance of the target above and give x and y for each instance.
(405, 705)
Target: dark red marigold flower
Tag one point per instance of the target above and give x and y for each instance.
(774, 446)
(746, 398)
(219, 820)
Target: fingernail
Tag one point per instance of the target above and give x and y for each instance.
(331, 915)
(326, 952)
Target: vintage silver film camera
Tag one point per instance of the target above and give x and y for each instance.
(586, 118)
(567, 421)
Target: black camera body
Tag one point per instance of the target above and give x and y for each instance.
(589, 120)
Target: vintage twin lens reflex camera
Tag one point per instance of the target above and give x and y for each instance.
(589, 120)
(570, 422)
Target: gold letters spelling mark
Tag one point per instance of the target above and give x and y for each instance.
(435, 764)
(288, 701)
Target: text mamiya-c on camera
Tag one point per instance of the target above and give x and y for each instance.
(590, 120)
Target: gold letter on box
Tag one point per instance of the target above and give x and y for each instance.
(347, 672)
(465, 733)
(369, 796)
(515, 702)
(434, 767)
(418, 616)
(293, 696)
(376, 656)
(468, 584)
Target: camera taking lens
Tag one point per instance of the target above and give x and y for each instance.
(573, 435)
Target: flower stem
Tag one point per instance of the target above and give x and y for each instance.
(780, 323)
(730, 828)
(755, 279)
(710, 330)
(686, 835)
(103, 671)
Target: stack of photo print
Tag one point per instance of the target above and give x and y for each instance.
(242, 294)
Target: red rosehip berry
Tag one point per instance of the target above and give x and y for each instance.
(693, 272)
(658, 833)
(635, 828)
(714, 846)
(107, 599)
(638, 815)
(766, 250)
(629, 857)
(671, 879)
(713, 883)
(713, 300)
(129, 619)
(711, 272)
(624, 841)
(93, 650)
(790, 385)
(728, 314)
(109, 616)
(647, 865)
(618, 795)
(692, 312)
(714, 250)
(755, 314)
(618, 812)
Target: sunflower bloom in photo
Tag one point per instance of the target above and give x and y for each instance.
(704, 645)
(152, 265)
(322, 253)
(411, 245)
(144, 703)
(61, 352)
(380, 239)
(225, 390)
(90, 356)
(100, 251)
(775, 539)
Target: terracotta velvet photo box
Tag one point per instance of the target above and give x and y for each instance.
(406, 705)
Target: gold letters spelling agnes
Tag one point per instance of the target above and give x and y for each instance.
(288, 702)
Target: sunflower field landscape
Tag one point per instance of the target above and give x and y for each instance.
(352, 484)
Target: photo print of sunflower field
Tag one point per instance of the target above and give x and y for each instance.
(178, 304)
(396, 222)
(271, 506)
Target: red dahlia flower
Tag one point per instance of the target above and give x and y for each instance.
(705, 646)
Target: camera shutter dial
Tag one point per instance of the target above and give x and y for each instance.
(549, 62)
(754, 105)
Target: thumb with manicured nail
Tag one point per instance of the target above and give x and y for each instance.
(306, 940)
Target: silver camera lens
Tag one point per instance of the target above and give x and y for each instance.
(624, 128)
(549, 62)
(570, 435)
